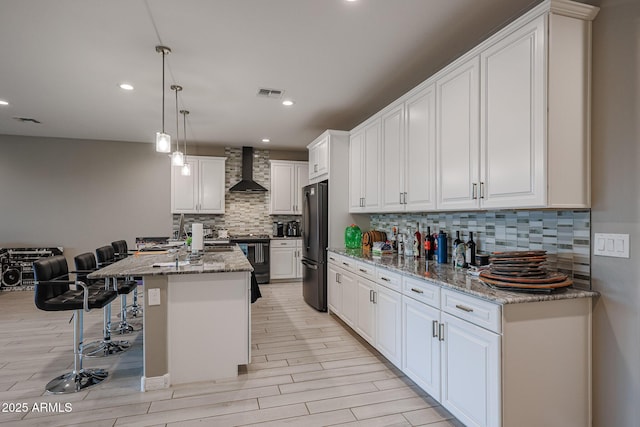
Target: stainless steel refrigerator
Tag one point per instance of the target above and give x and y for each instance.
(314, 244)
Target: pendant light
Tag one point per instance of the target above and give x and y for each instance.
(163, 140)
(186, 168)
(177, 158)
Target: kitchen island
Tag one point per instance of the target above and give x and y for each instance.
(197, 313)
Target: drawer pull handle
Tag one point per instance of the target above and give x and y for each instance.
(346, 263)
(464, 308)
(363, 270)
(435, 329)
(418, 291)
(385, 279)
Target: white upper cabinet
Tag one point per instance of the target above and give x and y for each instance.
(319, 159)
(287, 180)
(202, 191)
(512, 137)
(457, 137)
(364, 168)
(408, 155)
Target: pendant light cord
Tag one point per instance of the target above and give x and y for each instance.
(177, 125)
(163, 55)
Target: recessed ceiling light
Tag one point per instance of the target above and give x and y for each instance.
(287, 103)
(126, 86)
(265, 140)
(3, 102)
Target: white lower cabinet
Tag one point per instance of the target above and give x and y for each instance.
(334, 289)
(285, 259)
(470, 358)
(388, 305)
(366, 311)
(421, 345)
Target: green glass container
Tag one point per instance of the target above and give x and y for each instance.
(353, 237)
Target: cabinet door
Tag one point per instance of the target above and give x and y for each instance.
(393, 161)
(282, 262)
(298, 259)
(366, 315)
(421, 347)
(349, 298)
(512, 134)
(389, 324)
(457, 138)
(371, 167)
(334, 289)
(184, 190)
(301, 181)
(356, 147)
(420, 151)
(282, 188)
(323, 157)
(470, 372)
(211, 177)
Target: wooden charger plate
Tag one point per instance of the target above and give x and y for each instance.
(507, 285)
(549, 279)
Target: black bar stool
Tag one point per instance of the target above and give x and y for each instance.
(53, 293)
(85, 264)
(121, 250)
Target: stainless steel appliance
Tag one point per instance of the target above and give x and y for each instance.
(314, 244)
(256, 249)
(293, 229)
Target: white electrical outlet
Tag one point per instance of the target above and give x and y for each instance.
(154, 296)
(614, 245)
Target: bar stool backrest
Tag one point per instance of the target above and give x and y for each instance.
(120, 247)
(105, 255)
(47, 269)
(85, 263)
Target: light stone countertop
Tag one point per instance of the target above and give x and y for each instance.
(446, 276)
(141, 264)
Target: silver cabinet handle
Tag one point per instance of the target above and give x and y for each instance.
(435, 329)
(385, 279)
(441, 332)
(370, 295)
(474, 191)
(400, 198)
(315, 167)
(464, 308)
(363, 270)
(332, 258)
(337, 277)
(375, 297)
(418, 291)
(482, 190)
(346, 263)
(405, 198)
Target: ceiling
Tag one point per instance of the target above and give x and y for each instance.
(61, 63)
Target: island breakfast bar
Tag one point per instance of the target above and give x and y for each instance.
(197, 314)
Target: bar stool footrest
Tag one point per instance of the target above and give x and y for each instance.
(105, 348)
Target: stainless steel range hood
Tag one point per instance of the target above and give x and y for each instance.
(247, 184)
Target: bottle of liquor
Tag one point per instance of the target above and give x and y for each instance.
(408, 242)
(394, 239)
(417, 240)
(459, 251)
(429, 245)
(471, 250)
(457, 241)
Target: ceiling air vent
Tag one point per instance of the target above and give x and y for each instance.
(27, 120)
(270, 93)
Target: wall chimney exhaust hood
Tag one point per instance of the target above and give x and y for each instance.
(247, 184)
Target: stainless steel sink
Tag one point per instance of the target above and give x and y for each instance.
(219, 248)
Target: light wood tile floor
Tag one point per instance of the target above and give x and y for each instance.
(308, 369)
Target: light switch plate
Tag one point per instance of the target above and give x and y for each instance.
(154, 296)
(614, 245)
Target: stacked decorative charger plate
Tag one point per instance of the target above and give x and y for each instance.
(523, 271)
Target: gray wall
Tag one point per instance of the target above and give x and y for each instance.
(615, 209)
(81, 194)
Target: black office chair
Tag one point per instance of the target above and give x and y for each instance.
(121, 250)
(105, 256)
(53, 293)
(85, 264)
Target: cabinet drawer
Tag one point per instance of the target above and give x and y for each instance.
(343, 262)
(389, 279)
(366, 270)
(422, 290)
(474, 310)
(282, 243)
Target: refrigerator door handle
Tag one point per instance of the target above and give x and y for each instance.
(306, 213)
(311, 266)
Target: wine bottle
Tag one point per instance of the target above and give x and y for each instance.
(394, 240)
(457, 241)
(417, 239)
(430, 245)
(471, 250)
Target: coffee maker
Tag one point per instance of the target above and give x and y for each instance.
(278, 229)
(293, 229)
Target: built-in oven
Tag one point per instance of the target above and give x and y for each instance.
(256, 249)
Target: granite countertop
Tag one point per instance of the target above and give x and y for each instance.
(457, 279)
(141, 264)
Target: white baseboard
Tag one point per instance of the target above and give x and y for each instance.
(154, 383)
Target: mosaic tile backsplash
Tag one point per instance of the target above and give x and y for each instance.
(244, 212)
(564, 234)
